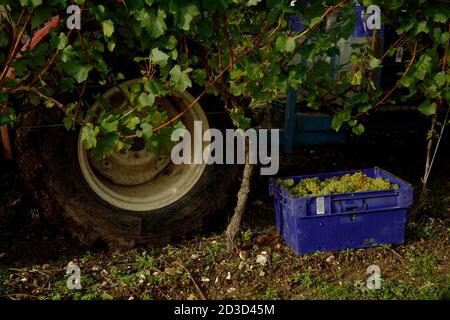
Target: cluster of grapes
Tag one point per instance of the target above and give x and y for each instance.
(357, 182)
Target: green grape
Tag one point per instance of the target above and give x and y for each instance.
(357, 182)
(286, 183)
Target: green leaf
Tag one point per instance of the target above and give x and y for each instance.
(285, 44)
(147, 130)
(200, 76)
(339, 118)
(237, 89)
(8, 117)
(108, 28)
(180, 78)
(422, 27)
(82, 74)
(89, 136)
(253, 2)
(359, 129)
(205, 28)
(3, 98)
(105, 146)
(67, 54)
(374, 63)
(111, 45)
(69, 124)
(31, 3)
(157, 26)
(428, 108)
(239, 119)
(63, 40)
(423, 67)
(147, 99)
(186, 15)
(441, 78)
(106, 296)
(132, 123)
(109, 127)
(357, 78)
(3, 41)
(158, 57)
(407, 82)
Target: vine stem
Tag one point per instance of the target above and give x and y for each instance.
(189, 108)
(326, 14)
(397, 43)
(244, 190)
(14, 49)
(429, 161)
(53, 100)
(387, 95)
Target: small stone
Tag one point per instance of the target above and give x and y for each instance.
(204, 279)
(231, 290)
(228, 276)
(171, 271)
(262, 274)
(194, 257)
(261, 259)
(243, 255)
(258, 203)
(24, 279)
(131, 298)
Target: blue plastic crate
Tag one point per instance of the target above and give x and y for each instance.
(342, 221)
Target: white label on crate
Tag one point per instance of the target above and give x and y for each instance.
(320, 204)
(399, 55)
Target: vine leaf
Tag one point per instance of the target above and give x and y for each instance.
(428, 108)
(89, 136)
(108, 28)
(180, 78)
(285, 44)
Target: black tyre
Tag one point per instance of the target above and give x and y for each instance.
(50, 162)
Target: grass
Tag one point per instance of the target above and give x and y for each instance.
(4, 290)
(421, 264)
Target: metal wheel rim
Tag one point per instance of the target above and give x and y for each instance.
(166, 188)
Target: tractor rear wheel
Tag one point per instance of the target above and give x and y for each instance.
(125, 199)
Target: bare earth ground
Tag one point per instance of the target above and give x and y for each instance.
(34, 255)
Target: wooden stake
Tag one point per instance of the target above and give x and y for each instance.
(6, 143)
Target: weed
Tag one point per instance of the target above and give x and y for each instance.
(34, 214)
(421, 264)
(3, 276)
(305, 280)
(338, 273)
(146, 262)
(271, 294)
(246, 236)
(216, 248)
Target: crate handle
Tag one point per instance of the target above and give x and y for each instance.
(352, 205)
